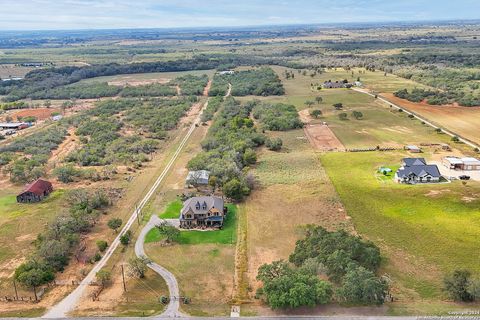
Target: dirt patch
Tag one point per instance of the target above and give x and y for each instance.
(39, 113)
(433, 193)
(468, 199)
(305, 116)
(322, 138)
(67, 146)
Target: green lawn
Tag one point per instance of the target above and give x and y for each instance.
(173, 210)
(429, 229)
(227, 235)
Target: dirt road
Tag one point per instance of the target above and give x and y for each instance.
(68, 303)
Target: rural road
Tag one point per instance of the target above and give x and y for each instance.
(68, 303)
(428, 122)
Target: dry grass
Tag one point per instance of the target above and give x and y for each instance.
(294, 192)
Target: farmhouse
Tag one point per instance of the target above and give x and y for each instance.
(416, 170)
(197, 178)
(202, 212)
(35, 191)
(334, 85)
(465, 164)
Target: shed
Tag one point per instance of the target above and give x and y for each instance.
(413, 149)
(470, 164)
(453, 163)
(35, 191)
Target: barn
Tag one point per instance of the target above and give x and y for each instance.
(35, 191)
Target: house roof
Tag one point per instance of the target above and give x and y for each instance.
(412, 147)
(201, 176)
(414, 162)
(38, 187)
(420, 171)
(12, 124)
(454, 160)
(471, 161)
(210, 202)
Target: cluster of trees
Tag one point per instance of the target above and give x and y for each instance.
(460, 286)
(214, 104)
(57, 243)
(69, 173)
(229, 148)
(191, 85)
(277, 117)
(258, 82)
(35, 150)
(14, 105)
(349, 262)
(100, 131)
(439, 97)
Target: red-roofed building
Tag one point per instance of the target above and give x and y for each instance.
(35, 191)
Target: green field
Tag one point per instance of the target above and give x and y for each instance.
(424, 231)
(172, 211)
(227, 235)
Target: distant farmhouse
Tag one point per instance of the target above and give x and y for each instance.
(197, 178)
(35, 191)
(336, 85)
(463, 164)
(202, 212)
(416, 170)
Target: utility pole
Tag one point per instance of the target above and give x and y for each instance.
(15, 286)
(123, 278)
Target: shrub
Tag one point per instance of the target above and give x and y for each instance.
(115, 223)
(457, 286)
(274, 144)
(102, 245)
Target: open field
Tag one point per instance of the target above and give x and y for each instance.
(424, 231)
(293, 191)
(462, 120)
(146, 78)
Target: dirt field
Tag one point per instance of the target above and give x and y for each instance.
(322, 138)
(39, 113)
(462, 120)
(135, 82)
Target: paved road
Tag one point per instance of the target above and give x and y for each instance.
(61, 309)
(173, 307)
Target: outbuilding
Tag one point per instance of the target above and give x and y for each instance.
(35, 191)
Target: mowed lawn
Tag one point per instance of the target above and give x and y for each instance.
(203, 262)
(424, 230)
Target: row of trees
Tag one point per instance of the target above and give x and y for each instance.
(229, 148)
(439, 97)
(349, 262)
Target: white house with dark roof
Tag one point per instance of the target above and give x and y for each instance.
(416, 170)
(202, 212)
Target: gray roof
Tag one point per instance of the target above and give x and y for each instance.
(419, 171)
(199, 177)
(11, 124)
(414, 162)
(196, 205)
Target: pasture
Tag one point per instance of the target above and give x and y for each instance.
(424, 231)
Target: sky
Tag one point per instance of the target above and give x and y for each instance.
(113, 14)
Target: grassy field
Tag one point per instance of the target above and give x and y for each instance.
(227, 235)
(172, 210)
(147, 76)
(424, 231)
(20, 224)
(293, 191)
